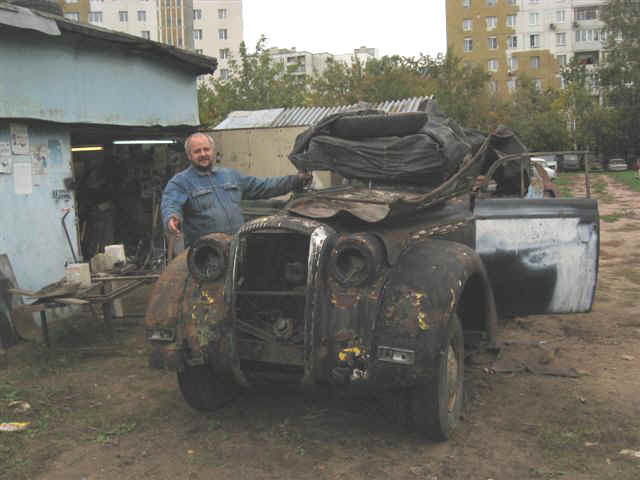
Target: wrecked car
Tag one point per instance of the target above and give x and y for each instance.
(376, 284)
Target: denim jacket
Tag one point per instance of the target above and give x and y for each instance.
(207, 202)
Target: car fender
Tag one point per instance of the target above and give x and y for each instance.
(431, 280)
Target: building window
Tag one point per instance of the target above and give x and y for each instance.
(222, 34)
(468, 44)
(492, 65)
(537, 84)
(563, 83)
(95, 17)
(534, 18)
(222, 13)
(466, 25)
(146, 34)
(224, 74)
(513, 64)
(513, 3)
(562, 60)
(493, 43)
(199, 51)
(70, 1)
(511, 85)
(590, 35)
(124, 16)
(534, 62)
(534, 2)
(197, 14)
(587, 13)
(560, 16)
(179, 21)
(512, 41)
(168, 19)
(492, 22)
(491, 3)
(75, 16)
(561, 39)
(493, 86)
(224, 53)
(197, 34)
(511, 21)
(466, 3)
(142, 16)
(534, 40)
(179, 42)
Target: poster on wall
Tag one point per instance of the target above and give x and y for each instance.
(22, 182)
(19, 137)
(55, 153)
(5, 158)
(39, 158)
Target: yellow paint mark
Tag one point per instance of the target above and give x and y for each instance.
(193, 316)
(344, 354)
(418, 297)
(453, 299)
(422, 321)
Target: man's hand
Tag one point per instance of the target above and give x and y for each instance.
(174, 226)
(303, 179)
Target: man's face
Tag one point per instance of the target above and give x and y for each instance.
(201, 152)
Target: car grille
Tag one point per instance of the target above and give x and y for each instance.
(270, 289)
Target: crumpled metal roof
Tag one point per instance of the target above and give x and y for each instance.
(306, 116)
(50, 24)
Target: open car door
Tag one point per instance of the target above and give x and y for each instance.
(541, 254)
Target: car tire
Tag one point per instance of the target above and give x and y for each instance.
(203, 391)
(392, 125)
(435, 407)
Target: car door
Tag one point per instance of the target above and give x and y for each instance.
(541, 255)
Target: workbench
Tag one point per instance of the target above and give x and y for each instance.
(106, 291)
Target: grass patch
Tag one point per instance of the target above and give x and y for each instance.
(565, 183)
(627, 178)
(612, 217)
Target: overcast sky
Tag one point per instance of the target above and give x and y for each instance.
(403, 27)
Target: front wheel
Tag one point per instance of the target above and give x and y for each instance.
(435, 406)
(203, 391)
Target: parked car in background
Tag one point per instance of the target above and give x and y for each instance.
(571, 161)
(551, 172)
(617, 165)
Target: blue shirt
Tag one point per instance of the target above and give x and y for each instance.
(207, 202)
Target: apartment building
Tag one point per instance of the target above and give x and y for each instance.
(218, 31)
(313, 64)
(533, 37)
(210, 27)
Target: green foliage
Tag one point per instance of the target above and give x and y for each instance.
(379, 80)
(620, 73)
(255, 82)
(461, 91)
(536, 117)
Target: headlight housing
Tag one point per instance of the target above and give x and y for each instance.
(207, 258)
(356, 259)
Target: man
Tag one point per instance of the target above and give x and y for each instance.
(204, 199)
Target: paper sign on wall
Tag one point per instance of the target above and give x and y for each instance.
(19, 137)
(5, 157)
(22, 178)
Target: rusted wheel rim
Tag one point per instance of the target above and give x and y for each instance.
(452, 377)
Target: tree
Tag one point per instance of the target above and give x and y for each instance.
(536, 117)
(579, 103)
(255, 82)
(379, 80)
(619, 74)
(461, 91)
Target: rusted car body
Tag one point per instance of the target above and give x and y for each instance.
(370, 288)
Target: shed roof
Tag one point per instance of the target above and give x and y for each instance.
(306, 116)
(50, 24)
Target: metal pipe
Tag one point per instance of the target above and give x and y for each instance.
(64, 225)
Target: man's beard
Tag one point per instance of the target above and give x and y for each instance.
(201, 168)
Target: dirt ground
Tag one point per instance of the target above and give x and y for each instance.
(98, 412)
